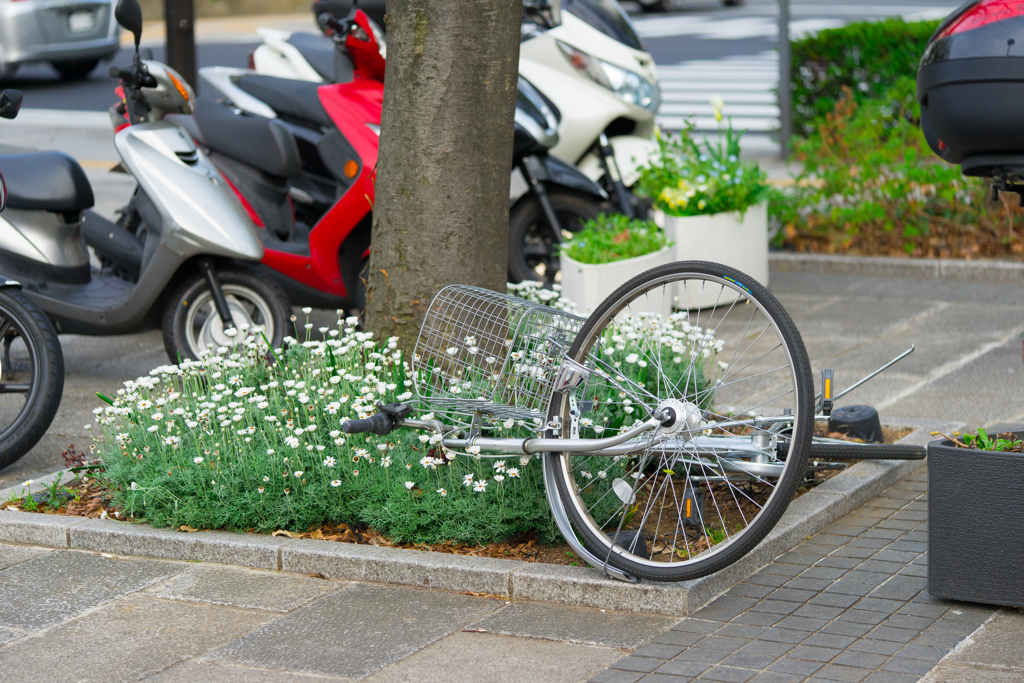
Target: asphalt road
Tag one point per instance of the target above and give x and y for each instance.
(44, 89)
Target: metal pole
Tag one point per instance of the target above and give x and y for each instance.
(181, 40)
(785, 93)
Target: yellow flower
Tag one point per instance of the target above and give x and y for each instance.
(718, 105)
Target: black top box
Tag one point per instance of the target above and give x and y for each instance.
(970, 84)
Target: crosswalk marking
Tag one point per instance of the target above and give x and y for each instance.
(733, 29)
(746, 85)
(766, 26)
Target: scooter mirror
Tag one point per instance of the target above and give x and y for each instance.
(129, 15)
(10, 103)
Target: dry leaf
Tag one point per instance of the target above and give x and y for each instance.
(189, 529)
(318, 534)
(282, 532)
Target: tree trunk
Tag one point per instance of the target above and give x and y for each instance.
(441, 199)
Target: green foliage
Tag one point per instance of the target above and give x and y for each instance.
(691, 178)
(55, 493)
(982, 441)
(871, 185)
(235, 442)
(614, 237)
(866, 57)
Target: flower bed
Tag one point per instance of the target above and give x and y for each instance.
(249, 439)
(871, 186)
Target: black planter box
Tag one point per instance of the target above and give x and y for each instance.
(976, 524)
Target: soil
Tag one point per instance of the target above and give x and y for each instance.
(93, 501)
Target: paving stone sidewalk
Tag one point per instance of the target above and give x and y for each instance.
(849, 604)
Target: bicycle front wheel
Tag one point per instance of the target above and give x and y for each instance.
(707, 342)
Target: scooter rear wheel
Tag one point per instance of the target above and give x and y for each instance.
(532, 251)
(191, 324)
(31, 375)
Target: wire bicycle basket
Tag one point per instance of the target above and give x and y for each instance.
(481, 352)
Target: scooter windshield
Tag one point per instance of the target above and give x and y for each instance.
(608, 17)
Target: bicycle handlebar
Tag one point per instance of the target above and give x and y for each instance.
(378, 423)
(381, 423)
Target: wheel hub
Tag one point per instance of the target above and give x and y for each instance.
(683, 418)
(212, 331)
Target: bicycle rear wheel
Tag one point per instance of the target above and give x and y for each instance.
(685, 504)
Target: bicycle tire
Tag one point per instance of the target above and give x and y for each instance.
(47, 385)
(866, 451)
(793, 466)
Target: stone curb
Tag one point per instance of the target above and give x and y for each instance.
(885, 266)
(508, 578)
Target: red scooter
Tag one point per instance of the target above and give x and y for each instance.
(306, 176)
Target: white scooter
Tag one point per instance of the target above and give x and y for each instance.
(606, 105)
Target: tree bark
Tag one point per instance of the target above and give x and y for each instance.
(441, 199)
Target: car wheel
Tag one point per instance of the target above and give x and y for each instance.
(75, 70)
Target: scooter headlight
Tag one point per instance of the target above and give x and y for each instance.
(629, 85)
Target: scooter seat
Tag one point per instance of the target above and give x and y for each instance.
(45, 181)
(263, 143)
(295, 101)
(320, 52)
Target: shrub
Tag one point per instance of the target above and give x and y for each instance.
(871, 185)
(690, 178)
(866, 57)
(237, 441)
(614, 237)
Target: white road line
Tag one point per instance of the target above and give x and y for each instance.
(952, 367)
(746, 85)
(764, 25)
(61, 118)
(731, 29)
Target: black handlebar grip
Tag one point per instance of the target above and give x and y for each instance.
(378, 423)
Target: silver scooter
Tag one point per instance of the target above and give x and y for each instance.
(180, 257)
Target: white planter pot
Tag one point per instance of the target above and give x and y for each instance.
(725, 238)
(587, 285)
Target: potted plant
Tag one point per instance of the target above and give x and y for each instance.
(607, 252)
(711, 204)
(976, 517)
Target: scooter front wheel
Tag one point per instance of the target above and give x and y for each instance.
(31, 375)
(192, 325)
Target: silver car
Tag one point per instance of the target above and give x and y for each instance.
(72, 35)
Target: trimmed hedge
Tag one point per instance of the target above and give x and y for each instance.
(867, 57)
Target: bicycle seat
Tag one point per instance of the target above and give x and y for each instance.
(45, 181)
(322, 55)
(295, 101)
(263, 143)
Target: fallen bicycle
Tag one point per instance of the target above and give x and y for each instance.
(697, 375)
